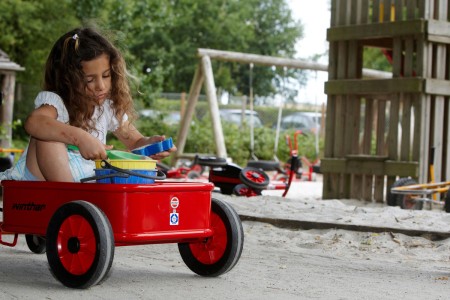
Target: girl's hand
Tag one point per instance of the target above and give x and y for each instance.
(91, 148)
(160, 155)
(164, 154)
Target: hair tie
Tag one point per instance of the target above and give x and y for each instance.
(75, 37)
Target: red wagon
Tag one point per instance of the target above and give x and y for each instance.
(78, 225)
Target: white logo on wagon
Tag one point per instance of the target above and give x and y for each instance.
(174, 219)
(174, 202)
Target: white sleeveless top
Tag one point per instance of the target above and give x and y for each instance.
(104, 120)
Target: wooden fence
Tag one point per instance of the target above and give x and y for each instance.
(380, 129)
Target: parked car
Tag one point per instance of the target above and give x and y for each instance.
(170, 117)
(307, 122)
(235, 116)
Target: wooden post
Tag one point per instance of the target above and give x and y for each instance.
(213, 107)
(186, 119)
(7, 107)
(182, 103)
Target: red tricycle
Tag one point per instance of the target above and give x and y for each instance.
(78, 225)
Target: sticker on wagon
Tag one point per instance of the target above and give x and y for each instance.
(174, 202)
(174, 218)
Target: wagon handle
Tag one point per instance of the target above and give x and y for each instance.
(159, 174)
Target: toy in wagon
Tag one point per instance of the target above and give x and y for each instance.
(78, 225)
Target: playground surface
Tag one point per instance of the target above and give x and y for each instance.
(280, 260)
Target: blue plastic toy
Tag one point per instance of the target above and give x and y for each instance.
(155, 148)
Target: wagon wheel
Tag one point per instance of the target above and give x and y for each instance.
(402, 200)
(35, 243)
(219, 253)
(80, 244)
(254, 178)
(245, 190)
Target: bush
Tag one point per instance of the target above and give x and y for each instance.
(237, 141)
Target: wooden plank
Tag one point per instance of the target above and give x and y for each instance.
(367, 185)
(329, 190)
(386, 11)
(441, 10)
(409, 58)
(380, 30)
(439, 62)
(370, 167)
(447, 140)
(397, 58)
(342, 106)
(352, 121)
(393, 134)
(380, 129)
(368, 126)
(375, 11)
(405, 142)
(365, 167)
(437, 87)
(374, 86)
(364, 12)
(411, 9)
(380, 148)
(423, 9)
(333, 13)
(438, 31)
(399, 4)
(354, 12)
(425, 103)
(416, 105)
(338, 149)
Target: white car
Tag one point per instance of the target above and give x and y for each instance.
(236, 116)
(307, 122)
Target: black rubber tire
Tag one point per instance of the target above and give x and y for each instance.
(266, 165)
(447, 202)
(403, 201)
(244, 190)
(35, 243)
(234, 243)
(163, 167)
(96, 227)
(226, 189)
(211, 161)
(240, 190)
(193, 175)
(254, 178)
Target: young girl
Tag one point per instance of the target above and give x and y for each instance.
(86, 95)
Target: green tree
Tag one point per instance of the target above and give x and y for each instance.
(29, 29)
(168, 33)
(159, 38)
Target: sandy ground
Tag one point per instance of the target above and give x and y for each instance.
(277, 263)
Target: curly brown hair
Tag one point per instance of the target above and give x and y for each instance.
(64, 76)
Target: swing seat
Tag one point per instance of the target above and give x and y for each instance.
(266, 165)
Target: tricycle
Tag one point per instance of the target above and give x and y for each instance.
(78, 225)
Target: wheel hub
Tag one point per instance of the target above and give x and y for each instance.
(256, 175)
(73, 245)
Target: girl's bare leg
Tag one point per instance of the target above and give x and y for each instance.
(49, 161)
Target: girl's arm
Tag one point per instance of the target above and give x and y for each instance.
(132, 138)
(43, 125)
